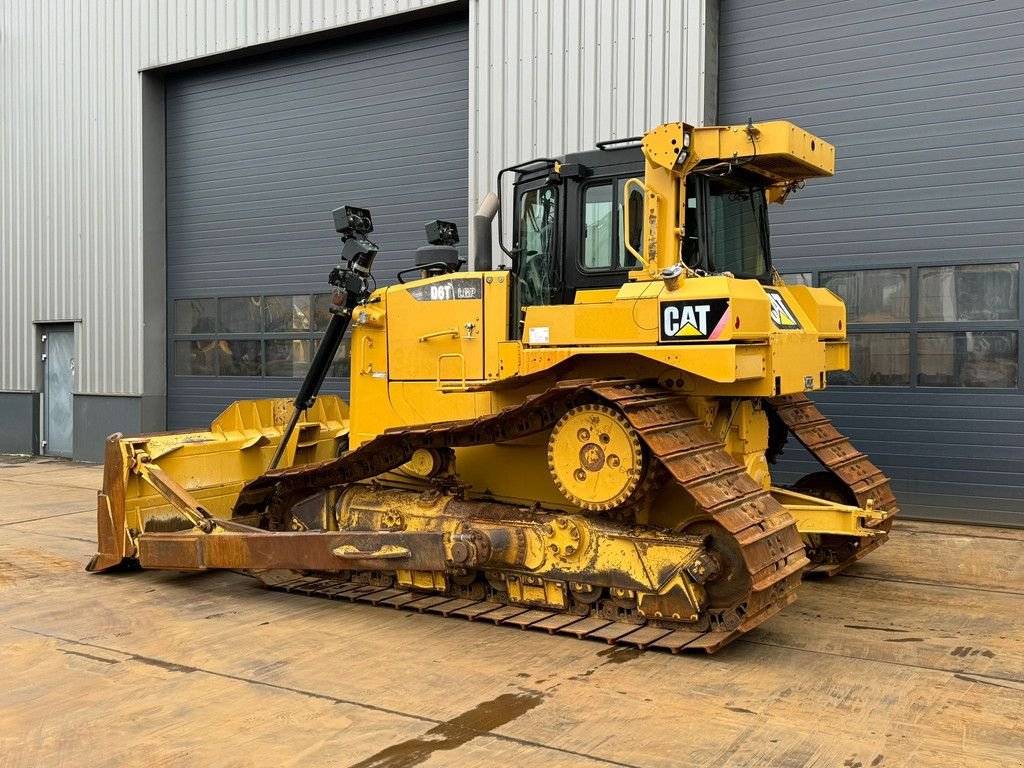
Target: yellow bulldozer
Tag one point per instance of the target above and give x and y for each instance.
(578, 443)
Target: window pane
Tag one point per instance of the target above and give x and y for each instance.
(321, 313)
(691, 239)
(194, 358)
(736, 218)
(538, 240)
(967, 359)
(239, 314)
(973, 292)
(240, 358)
(872, 295)
(285, 313)
(598, 226)
(341, 367)
(798, 278)
(876, 360)
(288, 357)
(195, 316)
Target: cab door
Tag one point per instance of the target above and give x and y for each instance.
(434, 329)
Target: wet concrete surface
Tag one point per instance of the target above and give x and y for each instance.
(915, 657)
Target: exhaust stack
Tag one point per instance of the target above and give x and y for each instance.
(482, 253)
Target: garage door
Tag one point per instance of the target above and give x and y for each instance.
(259, 152)
(920, 230)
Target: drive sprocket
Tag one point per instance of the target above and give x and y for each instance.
(596, 458)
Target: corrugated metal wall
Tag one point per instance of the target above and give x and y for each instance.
(543, 77)
(69, 200)
(925, 102)
(177, 30)
(259, 152)
(556, 77)
(70, 159)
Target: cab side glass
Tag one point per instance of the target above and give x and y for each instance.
(598, 226)
(536, 247)
(604, 226)
(736, 219)
(691, 238)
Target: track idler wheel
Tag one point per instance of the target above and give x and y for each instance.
(596, 458)
(730, 587)
(825, 485)
(825, 549)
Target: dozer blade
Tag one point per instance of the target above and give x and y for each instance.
(174, 481)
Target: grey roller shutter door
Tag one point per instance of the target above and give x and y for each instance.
(925, 102)
(259, 151)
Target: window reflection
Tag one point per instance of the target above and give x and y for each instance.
(876, 360)
(341, 367)
(967, 359)
(251, 335)
(195, 316)
(239, 314)
(287, 357)
(195, 358)
(321, 311)
(286, 313)
(797, 278)
(872, 295)
(239, 358)
(968, 292)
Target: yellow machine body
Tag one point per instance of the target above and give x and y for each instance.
(462, 375)
(554, 515)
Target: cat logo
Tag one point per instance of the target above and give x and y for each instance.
(694, 320)
(782, 315)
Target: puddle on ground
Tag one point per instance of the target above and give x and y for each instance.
(619, 653)
(480, 720)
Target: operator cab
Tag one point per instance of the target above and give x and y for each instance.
(568, 223)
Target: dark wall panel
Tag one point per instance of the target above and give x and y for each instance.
(259, 151)
(99, 416)
(925, 103)
(19, 422)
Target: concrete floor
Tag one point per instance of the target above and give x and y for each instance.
(914, 657)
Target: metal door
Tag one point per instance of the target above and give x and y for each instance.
(260, 150)
(880, 88)
(58, 383)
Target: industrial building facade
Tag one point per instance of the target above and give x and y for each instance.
(169, 169)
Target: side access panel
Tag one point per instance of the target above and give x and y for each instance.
(435, 329)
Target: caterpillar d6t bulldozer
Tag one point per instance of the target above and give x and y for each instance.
(579, 443)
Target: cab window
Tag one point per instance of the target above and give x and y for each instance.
(599, 214)
(691, 236)
(737, 227)
(604, 224)
(538, 219)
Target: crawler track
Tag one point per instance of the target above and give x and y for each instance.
(612, 631)
(761, 538)
(835, 452)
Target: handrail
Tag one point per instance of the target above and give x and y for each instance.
(644, 262)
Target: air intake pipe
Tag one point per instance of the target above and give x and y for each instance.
(482, 255)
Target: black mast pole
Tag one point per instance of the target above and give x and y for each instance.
(350, 290)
